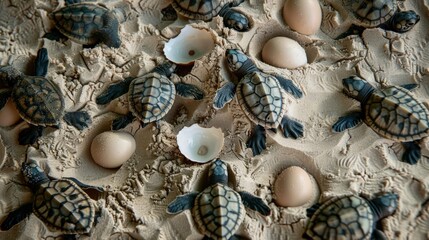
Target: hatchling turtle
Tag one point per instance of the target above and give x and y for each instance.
(150, 96)
(378, 13)
(87, 24)
(207, 9)
(218, 210)
(38, 100)
(60, 204)
(349, 217)
(393, 113)
(262, 97)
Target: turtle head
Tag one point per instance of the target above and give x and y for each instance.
(10, 75)
(237, 21)
(384, 205)
(33, 174)
(404, 21)
(218, 172)
(166, 69)
(239, 63)
(357, 88)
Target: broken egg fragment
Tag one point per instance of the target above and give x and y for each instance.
(293, 187)
(200, 144)
(190, 45)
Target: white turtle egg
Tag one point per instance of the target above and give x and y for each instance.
(111, 149)
(303, 16)
(284, 52)
(9, 114)
(190, 45)
(293, 187)
(200, 144)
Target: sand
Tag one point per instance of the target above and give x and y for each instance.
(357, 161)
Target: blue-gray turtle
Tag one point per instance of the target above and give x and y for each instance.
(392, 112)
(262, 97)
(60, 204)
(87, 24)
(38, 100)
(349, 217)
(207, 9)
(150, 96)
(381, 13)
(218, 210)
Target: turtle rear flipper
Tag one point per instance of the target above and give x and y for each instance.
(17, 216)
(182, 203)
(257, 140)
(255, 203)
(350, 120)
(224, 95)
(289, 86)
(291, 128)
(412, 152)
(4, 96)
(189, 91)
(78, 119)
(114, 91)
(122, 121)
(30, 135)
(353, 30)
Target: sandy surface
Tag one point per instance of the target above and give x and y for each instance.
(356, 161)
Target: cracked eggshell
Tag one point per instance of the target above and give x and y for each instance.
(9, 114)
(293, 187)
(284, 52)
(303, 16)
(111, 149)
(200, 144)
(190, 45)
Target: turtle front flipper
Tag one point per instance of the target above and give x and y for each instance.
(412, 152)
(189, 91)
(16, 216)
(311, 210)
(410, 86)
(255, 203)
(257, 140)
(4, 96)
(114, 91)
(122, 121)
(350, 120)
(70, 237)
(55, 35)
(42, 62)
(291, 128)
(78, 119)
(182, 203)
(224, 95)
(289, 86)
(85, 186)
(30, 135)
(109, 33)
(353, 30)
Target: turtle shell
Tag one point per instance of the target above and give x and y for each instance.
(262, 99)
(39, 101)
(370, 13)
(151, 97)
(218, 211)
(62, 205)
(395, 114)
(348, 217)
(199, 9)
(80, 22)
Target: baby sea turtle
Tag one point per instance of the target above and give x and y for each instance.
(60, 204)
(38, 100)
(207, 9)
(381, 13)
(150, 96)
(218, 210)
(392, 112)
(349, 217)
(87, 24)
(262, 97)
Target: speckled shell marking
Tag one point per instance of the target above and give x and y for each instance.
(39, 101)
(199, 9)
(151, 97)
(62, 205)
(262, 99)
(395, 114)
(218, 211)
(370, 13)
(79, 22)
(347, 217)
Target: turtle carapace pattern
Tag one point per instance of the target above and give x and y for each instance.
(392, 112)
(218, 210)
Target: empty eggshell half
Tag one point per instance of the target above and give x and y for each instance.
(293, 187)
(190, 45)
(284, 52)
(303, 16)
(111, 149)
(200, 144)
(9, 114)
